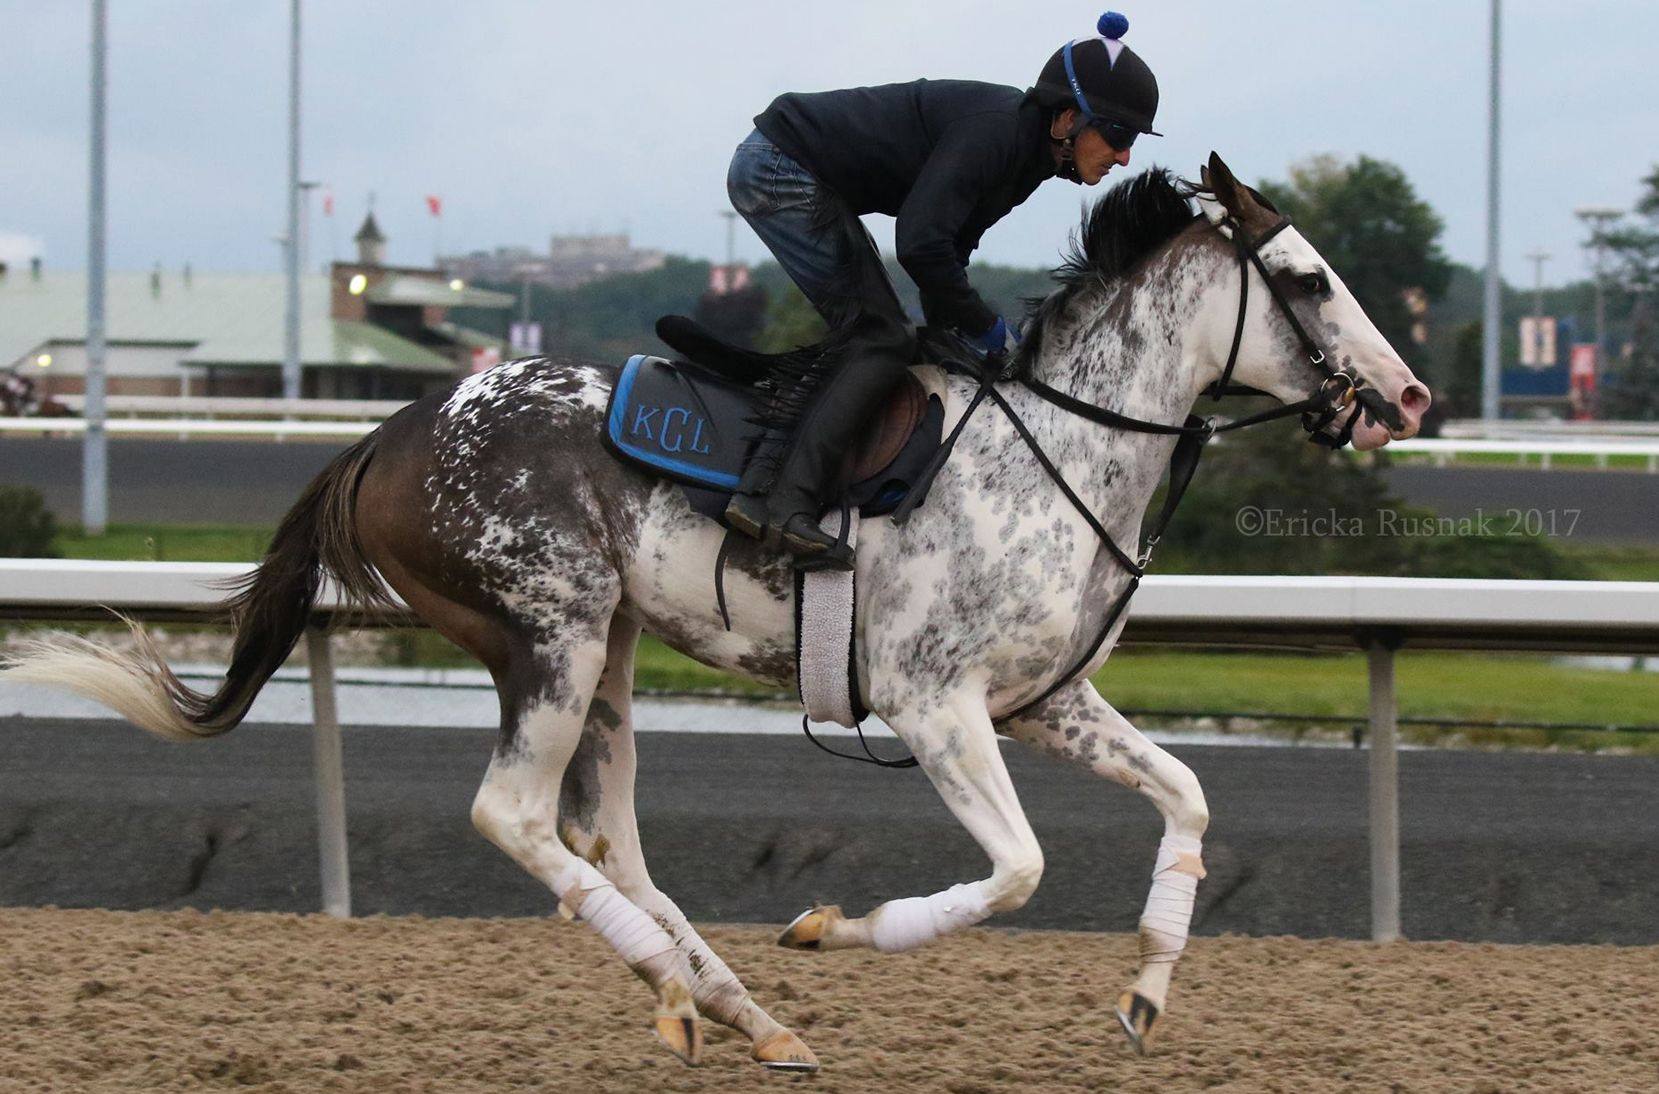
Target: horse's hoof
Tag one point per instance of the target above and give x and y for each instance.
(809, 929)
(783, 1051)
(681, 1037)
(1136, 1014)
(676, 1024)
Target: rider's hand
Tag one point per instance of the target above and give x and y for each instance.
(1002, 338)
(1000, 344)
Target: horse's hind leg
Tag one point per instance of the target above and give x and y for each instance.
(545, 693)
(1078, 725)
(596, 811)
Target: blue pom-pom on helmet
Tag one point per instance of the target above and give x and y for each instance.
(1113, 25)
(1104, 81)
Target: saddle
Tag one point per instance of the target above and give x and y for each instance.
(692, 422)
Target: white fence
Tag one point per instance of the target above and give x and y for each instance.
(1598, 452)
(216, 406)
(1442, 450)
(1377, 615)
(1552, 429)
(183, 428)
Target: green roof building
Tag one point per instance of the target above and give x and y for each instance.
(367, 332)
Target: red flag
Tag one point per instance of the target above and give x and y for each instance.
(328, 203)
(435, 205)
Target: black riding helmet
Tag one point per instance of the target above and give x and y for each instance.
(1111, 87)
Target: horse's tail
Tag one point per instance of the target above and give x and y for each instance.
(269, 608)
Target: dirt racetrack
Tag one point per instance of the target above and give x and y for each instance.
(94, 1000)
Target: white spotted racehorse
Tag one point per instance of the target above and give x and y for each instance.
(497, 515)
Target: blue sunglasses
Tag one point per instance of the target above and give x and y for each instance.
(1117, 134)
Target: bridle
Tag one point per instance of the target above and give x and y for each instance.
(1340, 389)
(1342, 386)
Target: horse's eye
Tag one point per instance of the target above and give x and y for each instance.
(1314, 283)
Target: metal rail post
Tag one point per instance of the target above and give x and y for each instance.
(95, 442)
(292, 387)
(1385, 794)
(330, 775)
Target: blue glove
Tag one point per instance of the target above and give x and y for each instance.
(1001, 341)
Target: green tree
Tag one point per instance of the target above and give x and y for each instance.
(1632, 390)
(1458, 390)
(1266, 502)
(1369, 224)
(791, 321)
(27, 527)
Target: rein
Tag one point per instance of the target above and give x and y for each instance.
(1340, 389)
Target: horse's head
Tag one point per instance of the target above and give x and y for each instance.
(1303, 333)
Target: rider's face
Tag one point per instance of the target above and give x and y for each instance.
(1095, 157)
(1091, 152)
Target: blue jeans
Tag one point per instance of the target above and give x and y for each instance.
(809, 229)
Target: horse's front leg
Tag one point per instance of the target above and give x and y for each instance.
(1078, 725)
(957, 748)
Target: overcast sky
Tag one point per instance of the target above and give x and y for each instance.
(531, 117)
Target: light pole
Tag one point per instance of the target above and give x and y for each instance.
(731, 235)
(291, 325)
(1490, 374)
(95, 446)
(305, 225)
(1533, 349)
(1597, 218)
(1538, 258)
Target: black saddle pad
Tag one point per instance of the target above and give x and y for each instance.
(680, 423)
(683, 423)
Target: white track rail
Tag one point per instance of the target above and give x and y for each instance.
(1442, 450)
(1377, 615)
(217, 406)
(183, 428)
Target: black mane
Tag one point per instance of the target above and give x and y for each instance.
(1134, 218)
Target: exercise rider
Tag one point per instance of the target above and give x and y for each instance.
(948, 159)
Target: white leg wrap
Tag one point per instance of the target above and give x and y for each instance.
(633, 934)
(917, 920)
(1169, 905)
(711, 979)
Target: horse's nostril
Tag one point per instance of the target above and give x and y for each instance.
(1415, 399)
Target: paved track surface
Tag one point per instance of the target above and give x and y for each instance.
(1578, 504)
(252, 482)
(1501, 847)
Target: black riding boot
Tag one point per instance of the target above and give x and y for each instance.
(785, 498)
(748, 509)
(808, 481)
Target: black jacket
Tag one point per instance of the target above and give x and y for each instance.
(948, 158)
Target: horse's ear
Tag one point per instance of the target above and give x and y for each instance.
(1239, 201)
(1218, 178)
(1261, 199)
(1208, 202)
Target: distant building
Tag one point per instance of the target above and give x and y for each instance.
(570, 261)
(367, 330)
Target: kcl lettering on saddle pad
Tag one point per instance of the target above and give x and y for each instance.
(670, 435)
(682, 422)
(683, 426)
